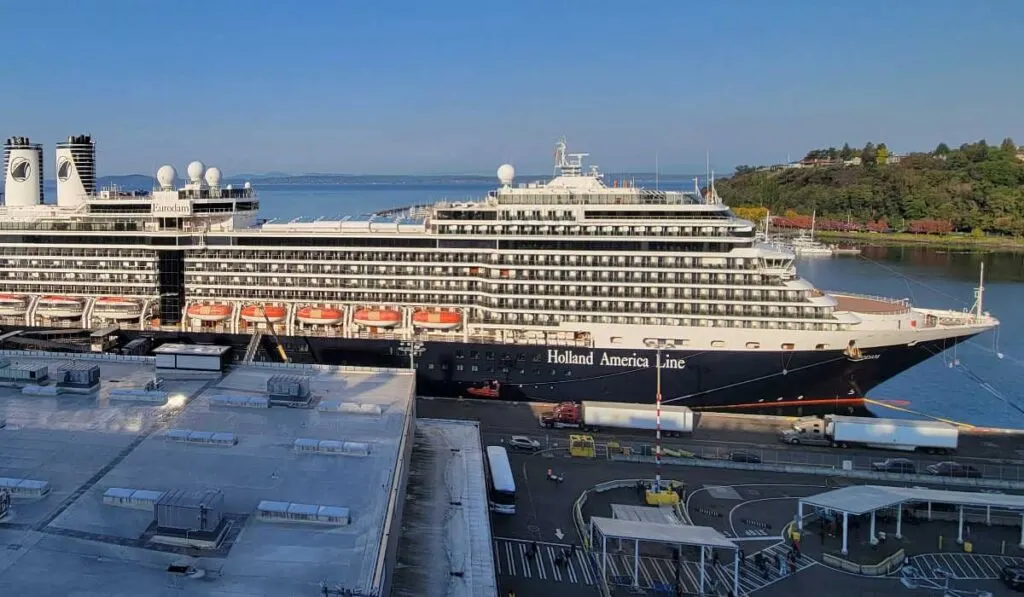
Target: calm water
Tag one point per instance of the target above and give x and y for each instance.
(970, 384)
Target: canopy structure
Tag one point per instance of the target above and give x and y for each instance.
(667, 534)
(862, 499)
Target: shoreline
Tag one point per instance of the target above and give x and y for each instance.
(927, 240)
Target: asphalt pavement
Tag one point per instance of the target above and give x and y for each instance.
(996, 456)
(750, 506)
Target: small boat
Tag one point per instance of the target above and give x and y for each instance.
(60, 306)
(377, 318)
(260, 314)
(211, 313)
(319, 316)
(490, 389)
(13, 304)
(437, 320)
(117, 307)
(837, 250)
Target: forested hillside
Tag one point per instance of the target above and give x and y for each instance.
(976, 187)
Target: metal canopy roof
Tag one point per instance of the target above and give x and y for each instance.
(673, 534)
(861, 499)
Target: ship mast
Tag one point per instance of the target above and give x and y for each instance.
(979, 293)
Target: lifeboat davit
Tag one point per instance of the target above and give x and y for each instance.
(117, 307)
(209, 312)
(377, 318)
(13, 304)
(255, 314)
(60, 306)
(437, 320)
(319, 316)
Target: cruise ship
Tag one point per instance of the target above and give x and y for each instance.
(571, 288)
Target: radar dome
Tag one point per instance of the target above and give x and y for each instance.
(165, 176)
(247, 185)
(506, 173)
(195, 171)
(213, 177)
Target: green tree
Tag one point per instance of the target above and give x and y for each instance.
(869, 154)
(846, 153)
(1008, 146)
(882, 154)
(941, 149)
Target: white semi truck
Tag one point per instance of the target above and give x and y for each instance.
(891, 434)
(593, 416)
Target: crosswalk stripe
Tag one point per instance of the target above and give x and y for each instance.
(569, 570)
(964, 566)
(523, 560)
(584, 567)
(508, 559)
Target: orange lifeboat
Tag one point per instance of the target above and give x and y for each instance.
(489, 389)
(437, 320)
(255, 313)
(209, 313)
(319, 316)
(13, 304)
(117, 307)
(377, 318)
(60, 306)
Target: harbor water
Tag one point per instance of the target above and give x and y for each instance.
(978, 382)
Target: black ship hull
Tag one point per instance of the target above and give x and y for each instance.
(790, 382)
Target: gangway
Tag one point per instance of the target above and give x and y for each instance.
(254, 346)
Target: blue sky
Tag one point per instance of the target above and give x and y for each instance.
(461, 86)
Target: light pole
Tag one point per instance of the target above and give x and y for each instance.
(413, 348)
(657, 426)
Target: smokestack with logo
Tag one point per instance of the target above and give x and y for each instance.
(76, 170)
(23, 172)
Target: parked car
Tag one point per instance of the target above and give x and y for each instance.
(523, 443)
(953, 469)
(1013, 577)
(741, 456)
(903, 466)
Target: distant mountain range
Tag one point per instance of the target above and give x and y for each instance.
(146, 182)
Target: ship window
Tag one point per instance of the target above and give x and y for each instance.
(475, 368)
(616, 339)
(536, 371)
(553, 372)
(568, 373)
(444, 366)
(520, 357)
(458, 354)
(430, 366)
(489, 355)
(536, 358)
(504, 369)
(821, 347)
(753, 345)
(717, 343)
(473, 354)
(522, 372)
(458, 367)
(787, 346)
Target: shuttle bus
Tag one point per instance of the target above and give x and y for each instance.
(501, 486)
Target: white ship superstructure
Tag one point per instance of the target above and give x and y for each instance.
(568, 262)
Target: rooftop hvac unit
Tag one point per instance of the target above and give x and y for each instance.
(137, 395)
(25, 488)
(179, 510)
(272, 511)
(240, 401)
(137, 499)
(349, 407)
(203, 438)
(328, 446)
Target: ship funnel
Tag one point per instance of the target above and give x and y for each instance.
(76, 170)
(23, 172)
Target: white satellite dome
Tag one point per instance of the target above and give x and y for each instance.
(247, 185)
(506, 173)
(195, 171)
(213, 177)
(165, 176)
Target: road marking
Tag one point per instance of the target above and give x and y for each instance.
(523, 559)
(584, 564)
(508, 557)
(497, 557)
(554, 567)
(964, 566)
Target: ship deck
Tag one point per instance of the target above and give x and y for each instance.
(868, 305)
(82, 445)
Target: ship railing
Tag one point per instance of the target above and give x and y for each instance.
(882, 299)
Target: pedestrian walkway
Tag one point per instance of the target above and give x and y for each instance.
(752, 579)
(963, 566)
(512, 558)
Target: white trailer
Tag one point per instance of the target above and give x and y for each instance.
(891, 434)
(675, 420)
